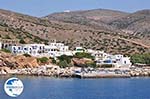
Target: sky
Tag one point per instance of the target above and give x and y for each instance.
(41, 8)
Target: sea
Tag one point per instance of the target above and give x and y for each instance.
(74, 88)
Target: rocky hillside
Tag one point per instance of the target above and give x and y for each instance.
(112, 31)
(137, 24)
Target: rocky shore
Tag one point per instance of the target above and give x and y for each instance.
(22, 65)
(78, 72)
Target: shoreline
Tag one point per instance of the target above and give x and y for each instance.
(78, 72)
(76, 76)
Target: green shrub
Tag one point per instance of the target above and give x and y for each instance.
(7, 37)
(53, 60)
(141, 58)
(26, 55)
(91, 64)
(83, 55)
(22, 41)
(64, 61)
(6, 50)
(43, 60)
(106, 66)
(65, 58)
(63, 64)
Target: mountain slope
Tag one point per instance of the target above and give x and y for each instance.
(95, 33)
(94, 18)
(137, 23)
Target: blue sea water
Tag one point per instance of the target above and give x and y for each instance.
(60, 88)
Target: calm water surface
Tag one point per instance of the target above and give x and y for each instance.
(58, 88)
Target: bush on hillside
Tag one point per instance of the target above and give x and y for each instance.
(42, 60)
(27, 55)
(83, 55)
(22, 41)
(64, 61)
(141, 58)
(6, 50)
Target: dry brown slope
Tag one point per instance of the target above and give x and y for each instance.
(73, 34)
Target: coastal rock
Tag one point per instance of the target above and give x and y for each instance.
(81, 62)
(12, 61)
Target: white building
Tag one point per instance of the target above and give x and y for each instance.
(0, 45)
(7, 43)
(57, 49)
(121, 61)
(32, 49)
(79, 50)
(41, 50)
(102, 58)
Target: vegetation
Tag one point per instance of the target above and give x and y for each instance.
(42, 60)
(83, 55)
(91, 64)
(65, 58)
(53, 60)
(6, 50)
(64, 61)
(7, 37)
(141, 58)
(26, 55)
(22, 41)
(63, 64)
(106, 66)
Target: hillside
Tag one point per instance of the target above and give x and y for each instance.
(96, 29)
(94, 18)
(137, 24)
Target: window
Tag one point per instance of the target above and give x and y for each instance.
(14, 48)
(25, 48)
(125, 62)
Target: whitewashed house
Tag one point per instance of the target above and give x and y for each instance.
(121, 61)
(32, 49)
(79, 50)
(102, 58)
(42, 50)
(51, 50)
(58, 49)
(7, 43)
(100, 55)
(0, 45)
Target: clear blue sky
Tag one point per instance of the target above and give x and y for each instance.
(44, 7)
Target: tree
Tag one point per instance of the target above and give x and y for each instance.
(53, 60)
(63, 64)
(141, 58)
(43, 60)
(83, 55)
(65, 58)
(64, 61)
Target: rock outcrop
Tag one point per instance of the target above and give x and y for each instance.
(81, 62)
(12, 61)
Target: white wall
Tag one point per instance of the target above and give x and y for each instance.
(0, 45)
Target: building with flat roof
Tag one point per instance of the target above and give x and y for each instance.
(6, 43)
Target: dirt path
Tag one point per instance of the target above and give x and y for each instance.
(138, 43)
